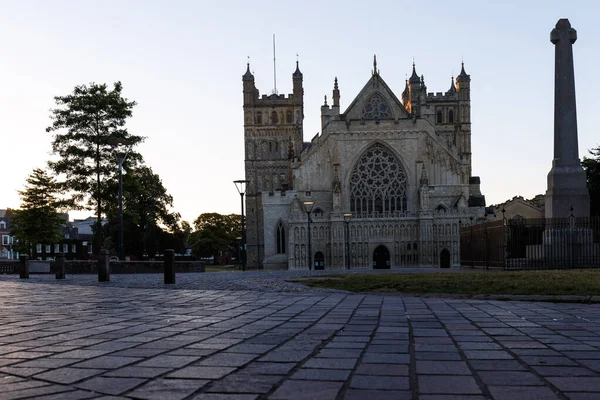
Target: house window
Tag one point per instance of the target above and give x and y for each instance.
(259, 117)
(5, 240)
(73, 248)
(439, 117)
(48, 249)
(276, 147)
(2, 225)
(274, 118)
(270, 147)
(289, 117)
(280, 238)
(89, 247)
(38, 248)
(56, 248)
(65, 248)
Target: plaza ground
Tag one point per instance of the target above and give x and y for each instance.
(255, 336)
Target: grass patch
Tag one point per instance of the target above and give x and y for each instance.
(222, 268)
(547, 282)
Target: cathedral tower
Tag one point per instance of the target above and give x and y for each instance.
(272, 140)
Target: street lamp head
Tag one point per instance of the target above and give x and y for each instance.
(347, 217)
(308, 205)
(241, 186)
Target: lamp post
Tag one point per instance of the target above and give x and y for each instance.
(347, 219)
(121, 160)
(241, 186)
(308, 205)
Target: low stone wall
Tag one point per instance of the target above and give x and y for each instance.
(116, 267)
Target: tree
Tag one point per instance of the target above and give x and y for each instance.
(149, 225)
(89, 129)
(38, 220)
(592, 170)
(214, 233)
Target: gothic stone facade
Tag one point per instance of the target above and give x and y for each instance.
(401, 168)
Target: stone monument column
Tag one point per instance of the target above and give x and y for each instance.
(567, 186)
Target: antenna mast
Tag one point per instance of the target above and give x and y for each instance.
(274, 68)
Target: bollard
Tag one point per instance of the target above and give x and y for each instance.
(24, 266)
(169, 264)
(60, 266)
(103, 267)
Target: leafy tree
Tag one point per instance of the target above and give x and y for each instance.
(214, 233)
(149, 225)
(38, 220)
(89, 130)
(592, 170)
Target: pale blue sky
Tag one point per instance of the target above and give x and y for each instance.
(182, 62)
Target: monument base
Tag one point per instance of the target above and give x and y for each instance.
(565, 247)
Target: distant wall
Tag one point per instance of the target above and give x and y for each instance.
(116, 267)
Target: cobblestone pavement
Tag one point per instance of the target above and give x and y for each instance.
(80, 340)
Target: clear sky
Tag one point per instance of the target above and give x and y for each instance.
(182, 61)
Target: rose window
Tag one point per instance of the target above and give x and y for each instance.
(378, 183)
(376, 108)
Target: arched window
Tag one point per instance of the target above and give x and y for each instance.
(439, 116)
(318, 213)
(289, 117)
(280, 238)
(451, 116)
(440, 208)
(259, 117)
(274, 118)
(378, 183)
(270, 147)
(276, 147)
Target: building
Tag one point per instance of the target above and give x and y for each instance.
(7, 241)
(402, 168)
(519, 208)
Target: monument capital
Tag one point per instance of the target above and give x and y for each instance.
(563, 31)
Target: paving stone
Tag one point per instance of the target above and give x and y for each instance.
(225, 396)
(138, 372)
(227, 360)
(68, 375)
(448, 384)
(322, 374)
(198, 372)
(168, 361)
(299, 390)
(563, 371)
(168, 389)
(380, 382)
(382, 369)
(110, 385)
(425, 367)
(107, 362)
(510, 378)
(357, 394)
(522, 392)
(581, 384)
(331, 363)
(245, 383)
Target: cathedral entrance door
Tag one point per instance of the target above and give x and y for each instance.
(319, 261)
(381, 258)
(445, 259)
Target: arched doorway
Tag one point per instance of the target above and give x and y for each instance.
(445, 259)
(319, 261)
(381, 258)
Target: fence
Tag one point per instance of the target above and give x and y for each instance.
(520, 243)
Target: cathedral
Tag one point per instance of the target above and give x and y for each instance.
(386, 183)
